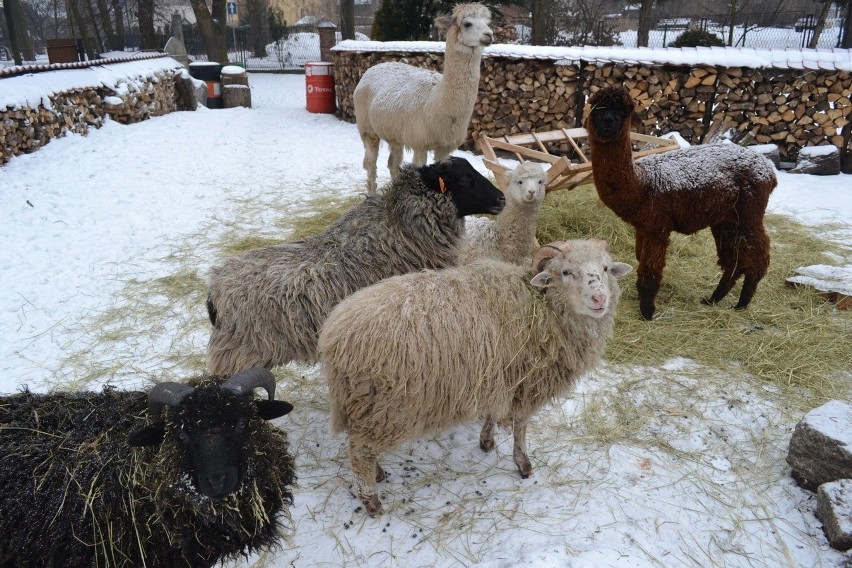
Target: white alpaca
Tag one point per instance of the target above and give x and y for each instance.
(415, 108)
(511, 235)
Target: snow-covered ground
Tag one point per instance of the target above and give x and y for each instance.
(84, 216)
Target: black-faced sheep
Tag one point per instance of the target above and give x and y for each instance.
(268, 304)
(424, 351)
(209, 481)
(511, 235)
(415, 108)
(722, 186)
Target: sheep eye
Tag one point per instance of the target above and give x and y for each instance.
(242, 423)
(183, 436)
(566, 272)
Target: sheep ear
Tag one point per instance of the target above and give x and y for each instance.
(269, 409)
(148, 436)
(541, 280)
(619, 269)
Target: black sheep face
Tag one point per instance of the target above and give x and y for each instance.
(471, 192)
(611, 110)
(212, 427)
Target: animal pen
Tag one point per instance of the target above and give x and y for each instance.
(570, 167)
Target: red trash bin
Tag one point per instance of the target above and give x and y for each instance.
(319, 87)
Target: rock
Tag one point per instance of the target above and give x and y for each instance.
(834, 509)
(768, 151)
(821, 445)
(818, 160)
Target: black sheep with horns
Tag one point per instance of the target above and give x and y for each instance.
(85, 482)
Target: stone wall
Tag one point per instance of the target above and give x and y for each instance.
(791, 108)
(24, 129)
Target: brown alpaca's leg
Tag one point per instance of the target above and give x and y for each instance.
(651, 254)
(726, 238)
(755, 248)
(366, 471)
(486, 436)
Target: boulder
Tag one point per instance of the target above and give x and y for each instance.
(834, 509)
(818, 161)
(821, 445)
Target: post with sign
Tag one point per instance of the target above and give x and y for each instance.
(232, 13)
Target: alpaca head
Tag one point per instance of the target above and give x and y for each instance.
(467, 26)
(612, 109)
(526, 183)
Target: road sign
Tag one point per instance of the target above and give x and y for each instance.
(232, 8)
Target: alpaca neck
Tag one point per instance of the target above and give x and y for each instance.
(614, 174)
(460, 84)
(515, 228)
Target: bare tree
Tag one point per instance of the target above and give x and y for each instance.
(258, 17)
(213, 27)
(10, 12)
(644, 30)
(347, 19)
(543, 21)
(820, 23)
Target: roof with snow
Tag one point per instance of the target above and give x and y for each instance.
(834, 59)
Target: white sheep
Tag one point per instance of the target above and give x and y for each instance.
(425, 351)
(423, 110)
(511, 235)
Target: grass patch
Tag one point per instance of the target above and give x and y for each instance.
(788, 336)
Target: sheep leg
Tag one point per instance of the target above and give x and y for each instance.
(519, 450)
(726, 249)
(420, 157)
(371, 156)
(486, 436)
(395, 159)
(366, 471)
(651, 253)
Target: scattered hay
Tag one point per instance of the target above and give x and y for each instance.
(788, 337)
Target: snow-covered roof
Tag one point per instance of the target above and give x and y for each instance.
(828, 59)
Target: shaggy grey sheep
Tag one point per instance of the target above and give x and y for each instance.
(425, 351)
(208, 482)
(268, 304)
(511, 235)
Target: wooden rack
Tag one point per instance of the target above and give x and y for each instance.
(562, 173)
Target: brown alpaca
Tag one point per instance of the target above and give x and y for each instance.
(722, 186)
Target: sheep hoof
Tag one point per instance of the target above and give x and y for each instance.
(708, 301)
(738, 307)
(486, 445)
(372, 505)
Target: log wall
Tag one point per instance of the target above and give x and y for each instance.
(791, 108)
(26, 129)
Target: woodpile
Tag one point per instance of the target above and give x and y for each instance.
(24, 129)
(786, 107)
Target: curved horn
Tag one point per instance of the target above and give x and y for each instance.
(546, 252)
(168, 393)
(243, 382)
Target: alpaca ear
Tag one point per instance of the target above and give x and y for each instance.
(443, 22)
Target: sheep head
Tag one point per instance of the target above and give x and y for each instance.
(611, 112)
(212, 424)
(581, 273)
(470, 191)
(467, 26)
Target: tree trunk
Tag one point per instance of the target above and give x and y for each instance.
(147, 36)
(644, 30)
(74, 11)
(212, 27)
(9, 9)
(543, 28)
(110, 42)
(258, 11)
(732, 20)
(846, 41)
(119, 28)
(347, 19)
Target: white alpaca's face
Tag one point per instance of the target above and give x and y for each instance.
(474, 31)
(527, 184)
